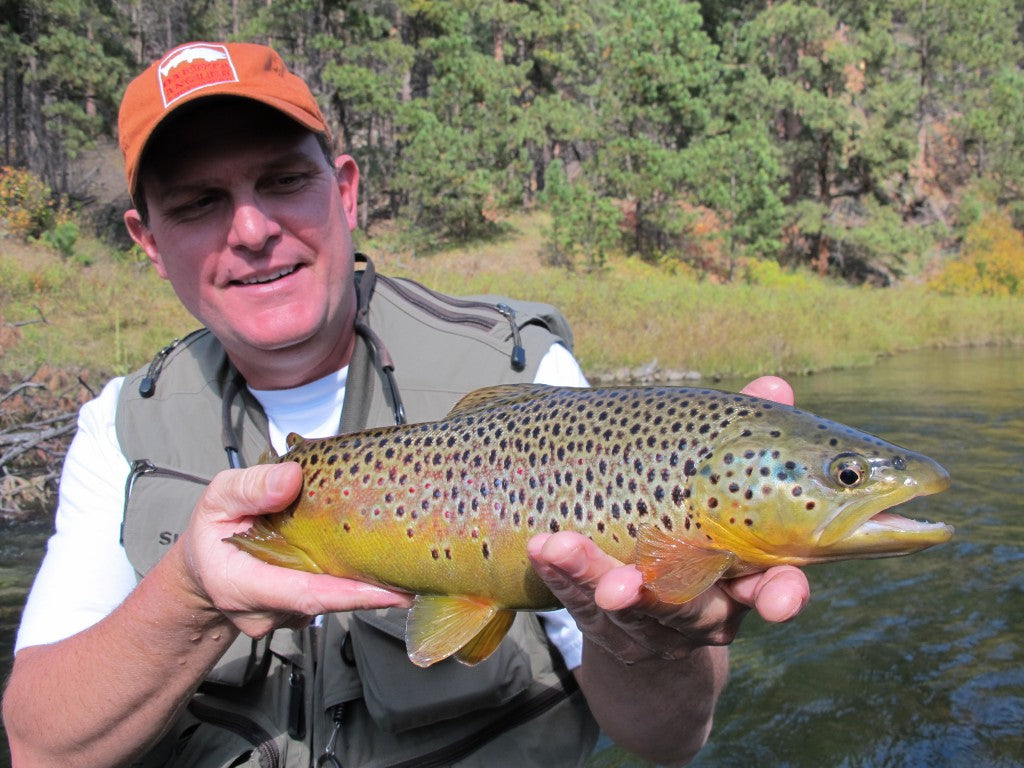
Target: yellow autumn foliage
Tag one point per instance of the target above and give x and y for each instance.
(991, 263)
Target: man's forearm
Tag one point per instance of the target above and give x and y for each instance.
(659, 709)
(99, 698)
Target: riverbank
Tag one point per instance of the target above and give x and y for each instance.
(104, 313)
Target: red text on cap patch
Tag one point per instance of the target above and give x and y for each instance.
(193, 67)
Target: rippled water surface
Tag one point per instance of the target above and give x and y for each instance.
(915, 661)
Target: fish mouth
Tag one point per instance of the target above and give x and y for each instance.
(862, 529)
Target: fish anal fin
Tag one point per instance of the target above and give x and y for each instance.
(674, 569)
(439, 626)
(491, 397)
(487, 639)
(265, 543)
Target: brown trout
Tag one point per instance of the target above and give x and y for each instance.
(691, 485)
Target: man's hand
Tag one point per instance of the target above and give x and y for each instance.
(613, 610)
(254, 596)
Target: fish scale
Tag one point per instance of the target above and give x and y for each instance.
(689, 484)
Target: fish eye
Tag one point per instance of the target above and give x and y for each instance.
(848, 470)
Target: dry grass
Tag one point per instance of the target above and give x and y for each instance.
(114, 315)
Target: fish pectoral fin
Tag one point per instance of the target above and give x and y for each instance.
(442, 626)
(675, 570)
(266, 544)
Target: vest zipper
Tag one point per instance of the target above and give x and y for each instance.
(142, 467)
(518, 357)
(255, 734)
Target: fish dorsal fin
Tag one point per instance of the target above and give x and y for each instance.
(265, 543)
(675, 570)
(492, 397)
(293, 440)
(442, 626)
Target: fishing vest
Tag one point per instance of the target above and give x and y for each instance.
(346, 688)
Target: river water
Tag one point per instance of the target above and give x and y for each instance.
(915, 661)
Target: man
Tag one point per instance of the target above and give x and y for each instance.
(134, 647)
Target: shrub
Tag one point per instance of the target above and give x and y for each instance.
(991, 262)
(63, 235)
(26, 203)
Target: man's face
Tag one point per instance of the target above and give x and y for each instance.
(252, 226)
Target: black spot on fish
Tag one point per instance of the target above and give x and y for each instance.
(486, 551)
(666, 522)
(797, 490)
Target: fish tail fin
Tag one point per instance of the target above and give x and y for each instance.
(465, 627)
(675, 570)
(265, 543)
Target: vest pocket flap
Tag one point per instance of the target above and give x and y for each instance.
(390, 621)
(384, 668)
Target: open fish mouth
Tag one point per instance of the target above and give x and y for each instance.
(891, 522)
(865, 532)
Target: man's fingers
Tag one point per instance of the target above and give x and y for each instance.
(770, 388)
(260, 489)
(778, 594)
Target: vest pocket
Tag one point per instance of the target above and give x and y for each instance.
(215, 737)
(378, 645)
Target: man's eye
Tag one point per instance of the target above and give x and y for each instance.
(288, 182)
(195, 206)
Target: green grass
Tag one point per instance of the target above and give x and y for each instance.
(112, 316)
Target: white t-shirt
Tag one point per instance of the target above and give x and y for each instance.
(85, 573)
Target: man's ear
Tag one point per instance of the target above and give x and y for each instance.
(347, 173)
(142, 235)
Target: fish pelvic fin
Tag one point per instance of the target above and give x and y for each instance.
(674, 569)
(440, 626)
(265, 543)
(487, 639)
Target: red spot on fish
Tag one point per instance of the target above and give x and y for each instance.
(312, 494)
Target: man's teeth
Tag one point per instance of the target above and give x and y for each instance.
(268, 278)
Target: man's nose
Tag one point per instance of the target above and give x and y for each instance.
(252, 225)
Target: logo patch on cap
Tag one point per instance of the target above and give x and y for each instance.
(192, 67)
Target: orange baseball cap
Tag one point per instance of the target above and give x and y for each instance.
(200, 70)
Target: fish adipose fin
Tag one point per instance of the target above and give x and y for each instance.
(441, 626)
(263, 542)
(675, 570)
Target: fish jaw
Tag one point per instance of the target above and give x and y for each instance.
(867, 527)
